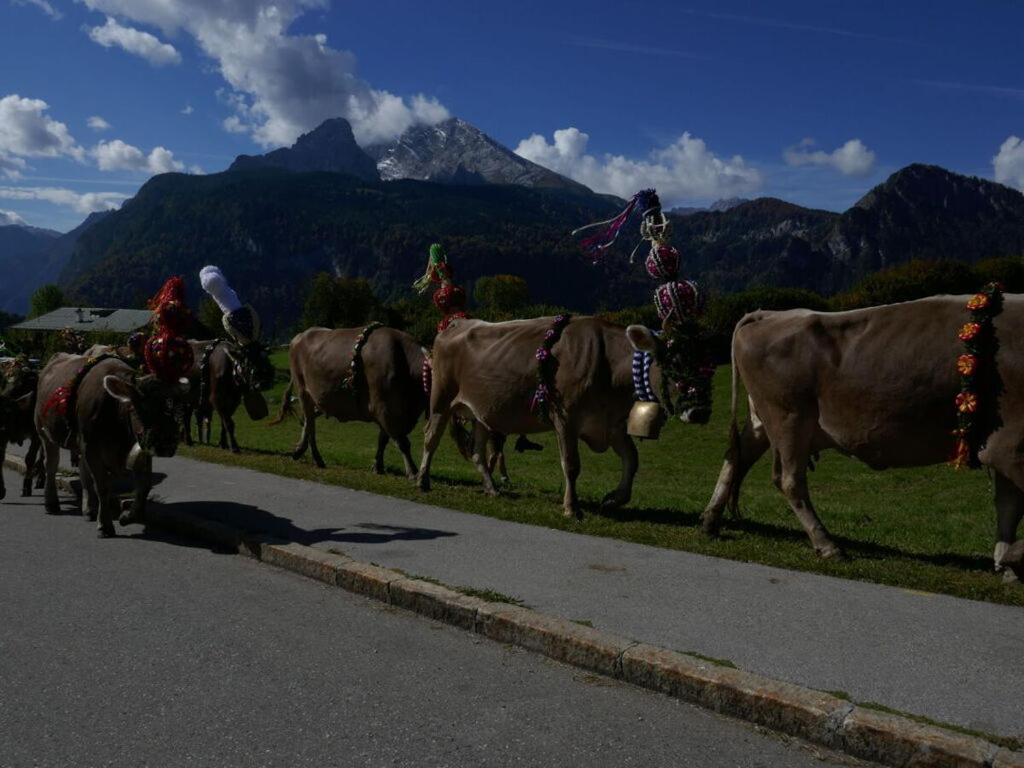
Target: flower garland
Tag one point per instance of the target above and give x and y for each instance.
(547, 366)
(355, 367)
(449, 298)
(980, 345)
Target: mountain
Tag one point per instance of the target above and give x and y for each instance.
(725, 204)
(455, 152)
(33, 257)
(21, 247)
(272, 231)
(331, 146)
(920, 212)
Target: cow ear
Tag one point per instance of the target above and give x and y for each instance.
(119, 389)
(642, 339)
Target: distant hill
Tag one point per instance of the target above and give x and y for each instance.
(31, 257)
(271, 230)
(455, 152)
(328, 147)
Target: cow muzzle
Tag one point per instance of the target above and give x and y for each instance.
(699, 415)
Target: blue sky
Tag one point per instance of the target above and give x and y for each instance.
(814, 102)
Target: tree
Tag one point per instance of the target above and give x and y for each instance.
(500, 296)
(339, 302)
(46, 299)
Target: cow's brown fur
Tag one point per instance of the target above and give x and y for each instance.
(105, 428)
(488, 371)
(388, 392)
(17, 403)
(878, 384)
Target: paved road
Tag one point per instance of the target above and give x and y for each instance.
(149, 651)
(953, 660)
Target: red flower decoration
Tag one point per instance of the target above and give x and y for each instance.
(978, 301)
(968, 331)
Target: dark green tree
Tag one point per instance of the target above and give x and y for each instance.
(501, 296)
(46, 299)
(339, 302)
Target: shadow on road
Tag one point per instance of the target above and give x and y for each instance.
(259, 521)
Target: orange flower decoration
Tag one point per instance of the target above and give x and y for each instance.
(967, 402)
(978, 301)
(968, 331)
(962, 454)
(966, 364)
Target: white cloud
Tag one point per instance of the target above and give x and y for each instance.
(232, 124)
(116, 155)
(135, 41)
(25, 131)
(851, 159)
(284, 84)
(87, 202)
(1009, 163)
(97, 123)
(11, 167)
(684, 170)
(187, 110)
(9, 218)
(44, 6)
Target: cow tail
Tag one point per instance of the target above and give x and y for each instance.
(734, 431)
(287, 409)
(462, 437)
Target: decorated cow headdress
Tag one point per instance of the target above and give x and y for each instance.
(240, 320)
(167, 353)
(449, 298)
(679, 303)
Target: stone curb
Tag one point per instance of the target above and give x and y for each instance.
(791, 709)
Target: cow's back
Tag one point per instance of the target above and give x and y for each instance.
(880, 381)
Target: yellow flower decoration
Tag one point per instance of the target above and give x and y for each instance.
(967, 402)
(966, 364)
(968, 331)
(978, 301)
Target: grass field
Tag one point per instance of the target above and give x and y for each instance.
(929, 529)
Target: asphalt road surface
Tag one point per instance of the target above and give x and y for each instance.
(950, 659)
(148, 651)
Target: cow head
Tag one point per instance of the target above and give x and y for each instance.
(687, 385)
(252, 367)
(155, 408)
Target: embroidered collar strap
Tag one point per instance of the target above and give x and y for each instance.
(351, 381)
(547, 366)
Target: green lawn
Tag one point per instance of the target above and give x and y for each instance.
(927, 529)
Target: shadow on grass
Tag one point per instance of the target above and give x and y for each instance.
(259, 521)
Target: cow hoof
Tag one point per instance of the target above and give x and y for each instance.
(52, 508)
(423, 483)
(106, 532)
(612, 501)
(830, 552)
(573, 514)
(27, 491)
(377, 469)
(128, 518)
(492, 491)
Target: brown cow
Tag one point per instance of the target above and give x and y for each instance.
(223, 375)
(113, 410)
(488, 372)
(17, 401)
(388, 391)
(878, 384)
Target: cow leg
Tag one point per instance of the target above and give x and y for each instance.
(90, 509)
(142, 480)
(625, 449)
(405, 449)
(481, 437)
(51, 455)
(228, 423)
(496, 460)
(742, 454)
(432, 435)
(1009, 511)
(31, 460)
(569, 450)
(186, 427)
(378, 459)
(791, 459)
(3, 456)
